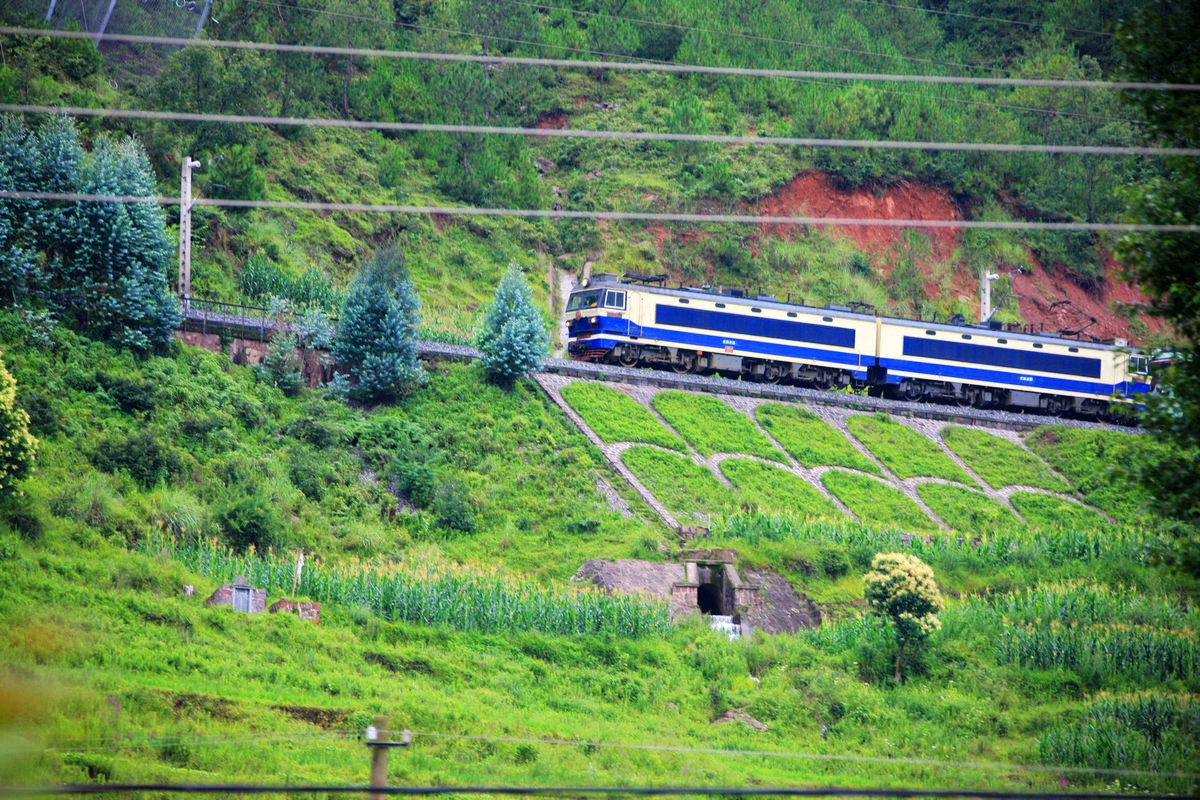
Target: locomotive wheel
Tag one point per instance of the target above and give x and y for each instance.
(1056, 406)
(685, 364)
(912, 390)
(772, 373)
(629, 357)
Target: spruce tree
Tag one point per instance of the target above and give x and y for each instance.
(102, 264)
(512, 340)
(377, 336)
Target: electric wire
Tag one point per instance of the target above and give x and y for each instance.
(451, 31)
(1060, 83)
(162, 741)
(576, 133)
(911, 762)
(755, 37)
(564, 48)
(569, 791)
(1006, 20)
(744, 219)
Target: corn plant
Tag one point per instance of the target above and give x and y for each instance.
(1114, 649)
(1092, 604)
(1017, 547)
(467, 602)
(1145, 731)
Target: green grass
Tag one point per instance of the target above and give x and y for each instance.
(1044, 511)
(966, 510)
(874, 502)
(711, 426)
(1094, 461)
(760, 486)
(998, 461)
(905, 452)
(616, 417)
(688, 490)
(809, 439)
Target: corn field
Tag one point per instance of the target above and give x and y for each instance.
(1116, 649)
(1093, 604)
(466, 602)
(1147, 731)
(862, 542)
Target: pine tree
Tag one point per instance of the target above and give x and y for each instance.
(377, 337)
(103, 264)
(512, 340)
(17, 445)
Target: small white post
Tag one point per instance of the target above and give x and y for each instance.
(985, 295)
(185, 231)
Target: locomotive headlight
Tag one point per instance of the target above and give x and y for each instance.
(592, 320)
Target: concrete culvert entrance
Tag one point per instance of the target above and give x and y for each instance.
(708, 598)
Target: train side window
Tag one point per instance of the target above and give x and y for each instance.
(720, 305)
(1038, 345)
(684, 300)
(614, 299)
(791, 313)
(826, 319)
(966, 336)
(931, 333)
(1072, 349)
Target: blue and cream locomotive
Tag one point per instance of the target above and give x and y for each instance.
(641, 322)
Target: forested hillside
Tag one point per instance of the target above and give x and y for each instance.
(239, 251)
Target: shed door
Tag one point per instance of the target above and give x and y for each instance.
(241, 598)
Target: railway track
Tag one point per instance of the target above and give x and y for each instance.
(254, 323)
(793, 394)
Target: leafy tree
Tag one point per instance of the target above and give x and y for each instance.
(512, 339)
(1159, 45)
(17, 445)
(901, 587)
(377, 337)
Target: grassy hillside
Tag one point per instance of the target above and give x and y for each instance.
(186, 469)
(456, 260)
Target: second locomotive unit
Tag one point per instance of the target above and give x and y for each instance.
(640, 321)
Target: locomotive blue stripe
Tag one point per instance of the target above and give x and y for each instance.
(995, 356)
(716, 344)
(1015, 380)
(746, 325)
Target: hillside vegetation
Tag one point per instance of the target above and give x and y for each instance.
(439, 530)
(456, 260)
(453, 615)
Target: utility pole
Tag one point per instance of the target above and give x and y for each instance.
(985, 295)
(185, 231)
(377, 740)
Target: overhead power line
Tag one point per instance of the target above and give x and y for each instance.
(571, 133)
(637, 216)
(615, 65)
(979, 17)
(911, 762)
(748, 36)
(569, 791)
(564, 48)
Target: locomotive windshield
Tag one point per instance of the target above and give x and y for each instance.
(582, 300)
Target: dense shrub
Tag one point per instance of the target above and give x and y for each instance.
(143, 454)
